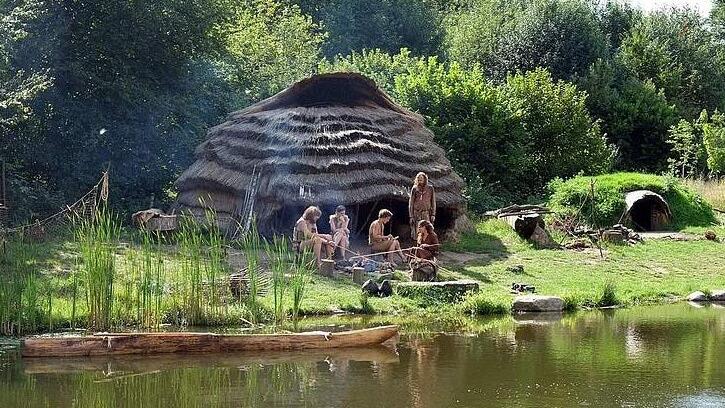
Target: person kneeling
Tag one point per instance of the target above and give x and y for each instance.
(379, 242)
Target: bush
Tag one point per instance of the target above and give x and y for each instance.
(571, 198)
(609, 295)
(511, 138)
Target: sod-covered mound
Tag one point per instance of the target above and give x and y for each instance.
(573, 198)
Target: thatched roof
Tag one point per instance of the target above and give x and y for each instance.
(337, 134)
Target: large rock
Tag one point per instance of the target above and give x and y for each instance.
(538, 303)
(697, 297)
(449, 291)
(718, 295)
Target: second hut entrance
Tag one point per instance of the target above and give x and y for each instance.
(327, 140)
(647, 211)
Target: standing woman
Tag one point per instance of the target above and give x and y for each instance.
(422, 204)
(306, 237)
(340, 233)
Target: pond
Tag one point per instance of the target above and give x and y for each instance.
(659, 356)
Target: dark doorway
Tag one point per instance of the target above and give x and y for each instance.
(649, 213)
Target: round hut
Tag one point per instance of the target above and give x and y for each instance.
(327, 140)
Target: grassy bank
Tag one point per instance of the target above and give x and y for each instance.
(651, 272)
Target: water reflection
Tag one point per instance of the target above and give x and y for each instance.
(657, 356)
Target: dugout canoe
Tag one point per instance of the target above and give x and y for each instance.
(150, 363)
(108, 344)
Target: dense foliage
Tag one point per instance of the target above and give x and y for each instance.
(519, 92)
(573, 198)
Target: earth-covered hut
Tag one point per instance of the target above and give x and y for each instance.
(326, 140)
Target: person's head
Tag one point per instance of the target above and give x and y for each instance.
(421, 179)
(312, 214)
(425, 226)
(340, 210)
(385, 215)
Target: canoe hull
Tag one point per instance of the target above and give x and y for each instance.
(156, 343)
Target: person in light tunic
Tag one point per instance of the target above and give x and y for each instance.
(422, 204)
(339, 223)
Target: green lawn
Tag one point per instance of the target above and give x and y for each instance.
(650, 272)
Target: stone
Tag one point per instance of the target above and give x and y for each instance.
(370, 287)
(515, 269)
(697, 297)
(358, 275)
(386, 289)
(613, 236)
(538, 303)
(718, 295)
(448, 291)
(327, 268)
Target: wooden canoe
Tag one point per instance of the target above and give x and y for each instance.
(105, 344)
(140, 363)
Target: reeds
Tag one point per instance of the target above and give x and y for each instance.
(251, 245)
(19, 289)
(280, 257)
(97, 240)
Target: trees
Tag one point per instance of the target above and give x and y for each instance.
(677, 52)
(513, 137)
(503, 37)
(389, 25)
(713, 136)
(635, 115)
(270, 45)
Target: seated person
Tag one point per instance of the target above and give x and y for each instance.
(427, 241)
(305, 235)
(423, 267)
(379, 242)
(340, 233)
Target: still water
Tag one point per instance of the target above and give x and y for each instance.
(662, 356)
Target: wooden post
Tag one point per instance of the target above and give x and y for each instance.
(327, 268)
(358, 275)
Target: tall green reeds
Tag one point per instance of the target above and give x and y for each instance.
(280, 258)
(303, 266)
(141, 297)
(97, 240)
(190, 240)
(251, 246)
(20, 303)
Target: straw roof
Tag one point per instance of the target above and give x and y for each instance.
(326, 140)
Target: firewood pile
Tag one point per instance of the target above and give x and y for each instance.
(616, 234)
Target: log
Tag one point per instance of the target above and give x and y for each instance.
(152, 343)
(525, 225)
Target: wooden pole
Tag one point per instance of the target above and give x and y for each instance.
(4, 198)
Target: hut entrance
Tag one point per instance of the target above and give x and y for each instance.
(647, 211)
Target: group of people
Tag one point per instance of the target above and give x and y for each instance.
(421, 209)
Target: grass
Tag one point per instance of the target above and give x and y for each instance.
(572, 198)
(182, 281)
(713, 191)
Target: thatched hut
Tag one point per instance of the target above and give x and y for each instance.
(327, 140)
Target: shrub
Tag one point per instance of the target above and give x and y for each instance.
(571, 198)
(609, 295)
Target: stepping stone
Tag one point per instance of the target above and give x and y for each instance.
(697, 297)
(538, 303)
(718, 295)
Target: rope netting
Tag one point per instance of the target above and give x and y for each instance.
(84, 208)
